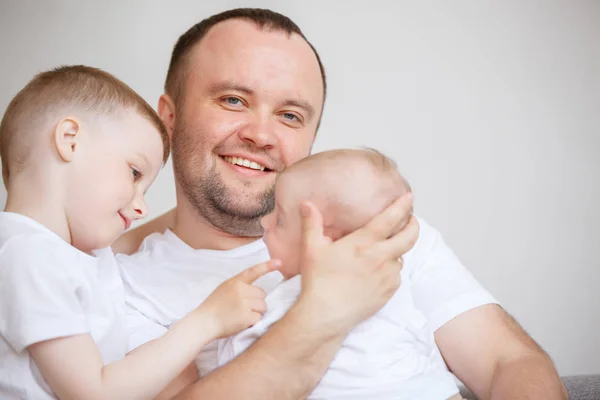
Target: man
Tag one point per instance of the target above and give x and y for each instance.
(243, 100)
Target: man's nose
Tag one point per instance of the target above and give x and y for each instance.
(259, 132)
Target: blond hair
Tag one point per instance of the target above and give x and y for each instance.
(62, 89)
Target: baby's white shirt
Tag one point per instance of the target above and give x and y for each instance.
(391, 355)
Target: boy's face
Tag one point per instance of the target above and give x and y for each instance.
(117, 162)
(282, 227)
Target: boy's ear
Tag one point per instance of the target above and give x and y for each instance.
(166, 112)
(67, 137)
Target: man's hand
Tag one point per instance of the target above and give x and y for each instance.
(349, 280)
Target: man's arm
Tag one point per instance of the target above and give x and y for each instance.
(286, 363)
(343, 283)
(495, 358)
(130, 241)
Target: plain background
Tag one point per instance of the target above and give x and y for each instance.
(490, 108)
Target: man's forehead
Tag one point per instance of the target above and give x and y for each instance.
(242, 52)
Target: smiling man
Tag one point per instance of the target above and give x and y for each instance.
(243, 101)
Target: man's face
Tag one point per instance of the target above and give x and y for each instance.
(249, 107)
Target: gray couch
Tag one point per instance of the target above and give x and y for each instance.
(580, 387)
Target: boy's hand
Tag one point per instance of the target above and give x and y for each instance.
(236, 304)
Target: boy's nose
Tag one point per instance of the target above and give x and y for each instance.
(139, 207)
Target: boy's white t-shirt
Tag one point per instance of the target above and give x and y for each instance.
(166, 279)
(48, 290)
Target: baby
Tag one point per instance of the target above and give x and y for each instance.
(389, 356)
(79, 149)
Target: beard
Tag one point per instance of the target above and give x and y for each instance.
(209, 194)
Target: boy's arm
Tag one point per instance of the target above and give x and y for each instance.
(343, 283)
(73, 365)
(74, 368)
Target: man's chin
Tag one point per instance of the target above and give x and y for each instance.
(248, 210)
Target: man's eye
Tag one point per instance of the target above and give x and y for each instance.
(234, 101)
(290, 116)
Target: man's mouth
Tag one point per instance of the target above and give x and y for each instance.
(243, 162)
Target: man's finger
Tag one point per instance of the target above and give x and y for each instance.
(398, 245)
(253, 273)
(387, 222)
(312, 226)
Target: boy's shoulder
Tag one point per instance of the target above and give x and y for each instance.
(24, 242)
(22, 229)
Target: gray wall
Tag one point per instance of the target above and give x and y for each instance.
(491, 109)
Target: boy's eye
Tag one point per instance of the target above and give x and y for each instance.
(136, 174)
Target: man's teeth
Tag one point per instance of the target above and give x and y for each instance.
(244, 163)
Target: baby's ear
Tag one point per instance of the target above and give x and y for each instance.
(67, 135)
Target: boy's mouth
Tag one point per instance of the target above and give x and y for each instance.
(126, 221)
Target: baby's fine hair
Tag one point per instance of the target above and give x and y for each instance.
(350, 186)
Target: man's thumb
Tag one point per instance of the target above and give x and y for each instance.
(312, 225)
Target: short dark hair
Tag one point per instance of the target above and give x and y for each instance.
(262, 17)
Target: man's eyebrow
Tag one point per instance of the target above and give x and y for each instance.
(227, 85)
(305, 105)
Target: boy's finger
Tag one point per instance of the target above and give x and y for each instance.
(259, 306)
(253, 273)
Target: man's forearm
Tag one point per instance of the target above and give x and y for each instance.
(285, 364)
(530, 377)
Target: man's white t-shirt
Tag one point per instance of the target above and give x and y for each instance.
(166, 279)
(48, 290)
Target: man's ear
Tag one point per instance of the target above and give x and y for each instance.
(166, 112)
(67, 137)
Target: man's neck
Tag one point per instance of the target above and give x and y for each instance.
(198, 233)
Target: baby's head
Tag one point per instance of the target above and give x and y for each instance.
(89, 145)
(349, 187)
